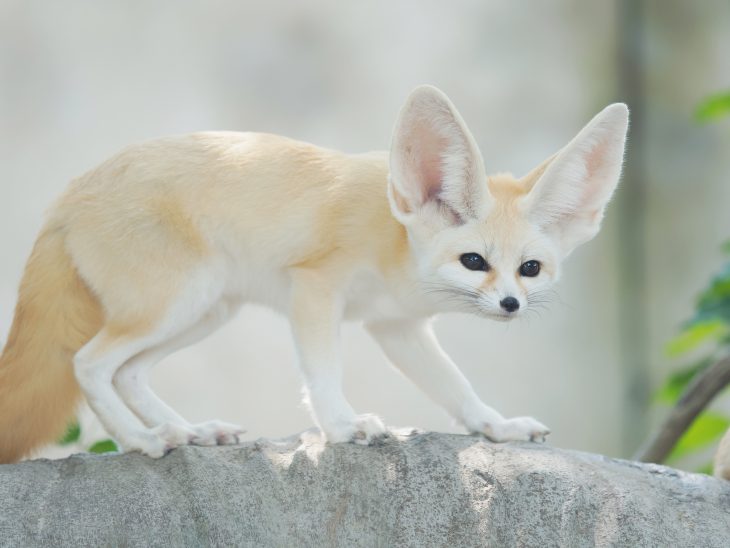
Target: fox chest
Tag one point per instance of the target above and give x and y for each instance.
(368, 299)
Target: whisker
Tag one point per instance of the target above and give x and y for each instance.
(541, 298)
(462, 298)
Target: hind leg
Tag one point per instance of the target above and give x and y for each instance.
(132, 331)
(132, 385)
(95, 365)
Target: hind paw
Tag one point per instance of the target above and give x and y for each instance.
(217, 433)
(152, 443)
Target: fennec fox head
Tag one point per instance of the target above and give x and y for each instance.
(493, 245)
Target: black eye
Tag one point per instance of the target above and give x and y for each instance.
(474, 261)
(530, 269)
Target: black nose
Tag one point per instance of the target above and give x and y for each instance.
(510, 304)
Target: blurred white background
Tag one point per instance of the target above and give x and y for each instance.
(79, 80)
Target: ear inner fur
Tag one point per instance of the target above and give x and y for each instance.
(570, 190)
(434, 159)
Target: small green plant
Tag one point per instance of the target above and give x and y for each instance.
(708, 329)
(73, 434)
(104, 446)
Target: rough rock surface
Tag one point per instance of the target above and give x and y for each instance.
(412, 490)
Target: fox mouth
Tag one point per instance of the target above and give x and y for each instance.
(500, 316)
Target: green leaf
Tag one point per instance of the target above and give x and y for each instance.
(695, 334)
(706, 429)
(713, 107)
(714, 302)
(726, 247)
(719, 286)
(72, 435)
(104, 446)
(674, 386)
(718, 312)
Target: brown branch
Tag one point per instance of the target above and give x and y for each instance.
(700, 392)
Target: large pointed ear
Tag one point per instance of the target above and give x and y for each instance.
(436, 170)
(570, 191)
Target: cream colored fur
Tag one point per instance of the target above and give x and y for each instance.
(721, 468)
(162, 243)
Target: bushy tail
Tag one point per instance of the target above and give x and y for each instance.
(56, 315)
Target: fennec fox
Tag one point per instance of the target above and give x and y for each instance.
(161, 244)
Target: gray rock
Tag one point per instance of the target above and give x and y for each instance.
(412, 490)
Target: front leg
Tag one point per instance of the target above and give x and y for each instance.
(315, 315)
(412, 347)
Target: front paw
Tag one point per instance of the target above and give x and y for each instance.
(361, 429)
(516, 429)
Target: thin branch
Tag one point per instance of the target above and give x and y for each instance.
(701, 391)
